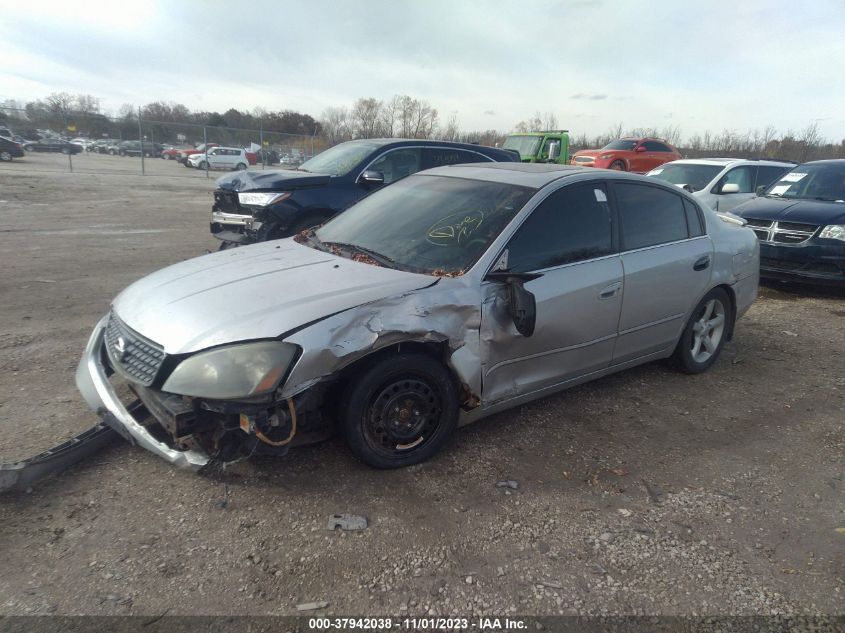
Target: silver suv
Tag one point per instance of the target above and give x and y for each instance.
(722, 183)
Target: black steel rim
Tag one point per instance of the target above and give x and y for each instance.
(403, 416)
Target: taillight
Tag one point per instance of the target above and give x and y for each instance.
(18, 145)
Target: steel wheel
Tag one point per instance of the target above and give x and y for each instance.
(707, 331)
(403, 416)
(400, 411)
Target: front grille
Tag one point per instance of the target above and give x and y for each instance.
(781, 232)
(227, 201)
(137, 358)
(584, 159)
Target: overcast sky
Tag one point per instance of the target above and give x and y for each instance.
(698, 65)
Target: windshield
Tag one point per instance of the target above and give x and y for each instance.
(696, 176)
(813, 182)
(525, 145)
(621, 144)
(340, 159)
(427, 224)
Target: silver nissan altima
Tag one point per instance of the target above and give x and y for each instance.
(436, 301)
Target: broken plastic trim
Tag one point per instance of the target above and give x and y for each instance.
(21, 475)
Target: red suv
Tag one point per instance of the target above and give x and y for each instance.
(638, 155)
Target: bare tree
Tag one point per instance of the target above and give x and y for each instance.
(452, 131)
(335, 125)
(61, 104)
(365, 118)
(87, 104)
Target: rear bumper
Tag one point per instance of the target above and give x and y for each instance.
(809, 263)
(92, 382)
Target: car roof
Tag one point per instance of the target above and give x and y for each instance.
(731, 161)
(421, 141)
(534, 175)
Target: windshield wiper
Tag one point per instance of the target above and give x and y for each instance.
(384, 260)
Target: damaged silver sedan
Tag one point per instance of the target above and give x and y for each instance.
(443, 298)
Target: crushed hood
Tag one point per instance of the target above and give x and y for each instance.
(275, 180)
(253, 292)
(804, 211)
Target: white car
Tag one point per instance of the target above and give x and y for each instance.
(220, 158)
(722, 183)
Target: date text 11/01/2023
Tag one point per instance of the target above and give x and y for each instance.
(418, 624)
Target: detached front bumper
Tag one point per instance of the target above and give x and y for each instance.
(93, 383)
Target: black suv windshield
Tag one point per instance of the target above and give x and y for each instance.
(812, 182)
(428, 224)
(340, 159)
(525, 145)
(621, 144)
(696, 176)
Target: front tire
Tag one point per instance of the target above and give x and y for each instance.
(202, 165)
(6, 157)
(705, 333)
(240, 167)
(399, 411)
(617, 165)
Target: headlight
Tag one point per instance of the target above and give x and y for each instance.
(606, 156)
(262, 199)
(833, 232)
(235, 371)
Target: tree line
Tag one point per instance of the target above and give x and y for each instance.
(401, 116)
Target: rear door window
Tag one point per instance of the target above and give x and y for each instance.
(649, 216)
(440, 156)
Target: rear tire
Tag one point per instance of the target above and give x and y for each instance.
(240, 167)
(65, 150)
(618, 165)
(203, 165)
(705, 333)
(399, 411)
(6, 157)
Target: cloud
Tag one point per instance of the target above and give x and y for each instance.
(445, 52)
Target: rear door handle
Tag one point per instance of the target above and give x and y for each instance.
(701, 263)
(611, 291)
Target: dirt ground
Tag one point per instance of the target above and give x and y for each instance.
(648, 492)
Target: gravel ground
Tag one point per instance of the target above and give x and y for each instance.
(647, 492)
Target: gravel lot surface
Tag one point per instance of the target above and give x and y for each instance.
(648, 492)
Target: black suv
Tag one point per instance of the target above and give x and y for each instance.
(136, 148)
(254, 206)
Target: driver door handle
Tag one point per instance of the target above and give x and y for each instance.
(611, 291)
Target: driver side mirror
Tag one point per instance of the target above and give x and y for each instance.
(522, 305)
(730, 187)
(641, 148)
(372, 177)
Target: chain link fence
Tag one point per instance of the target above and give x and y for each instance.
(94, 143)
